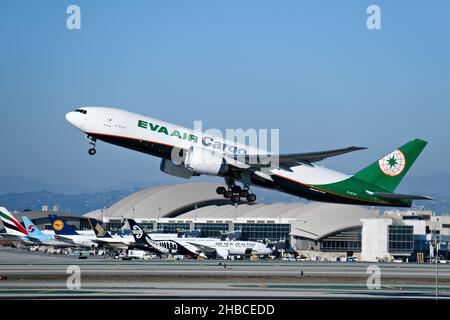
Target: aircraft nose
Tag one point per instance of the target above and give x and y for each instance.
(75, 119)
(71, 117)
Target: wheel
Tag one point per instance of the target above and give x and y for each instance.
(92, 151)
(220, 190)
(228, 194)
(235, 198)
(244, 193)
(251, 197)
(236, 189)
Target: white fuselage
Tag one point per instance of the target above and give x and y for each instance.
(115, 124)
(224, 248)
(78, 240)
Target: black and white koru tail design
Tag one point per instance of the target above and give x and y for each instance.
(162, 246)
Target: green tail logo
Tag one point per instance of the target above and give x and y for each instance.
(390, 170)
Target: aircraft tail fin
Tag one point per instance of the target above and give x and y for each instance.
(61, 227)
(99, 231)
(11, 224)
(139, 234)
(32, 230)
(390, 170)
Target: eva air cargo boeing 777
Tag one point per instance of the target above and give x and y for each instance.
(186, 153)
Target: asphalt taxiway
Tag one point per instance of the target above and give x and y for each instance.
(33, 274)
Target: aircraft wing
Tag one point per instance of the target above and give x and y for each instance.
(112, 244)
(292, 159)
(64, 239)
(11, 237)
(308, 158)
(396, 196)
(195, 248)
(202, 249)
(34, 239)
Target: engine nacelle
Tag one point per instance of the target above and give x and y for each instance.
(177, 170)
(204, 161)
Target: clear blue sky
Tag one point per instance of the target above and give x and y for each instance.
(310, 68)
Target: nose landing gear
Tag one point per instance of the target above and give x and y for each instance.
(235, 192)
(93, 141)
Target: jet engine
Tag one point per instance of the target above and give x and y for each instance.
(205, 161)
(177, 170)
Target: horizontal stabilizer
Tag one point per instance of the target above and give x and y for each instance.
(396, 196)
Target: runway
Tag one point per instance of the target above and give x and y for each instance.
(31, 275)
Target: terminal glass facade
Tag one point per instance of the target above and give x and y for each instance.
(113, 225)
(212, 230)
(148, 227)
(401, 239)
(173, 227)
(262, 231)
(84, 224)
(343, 241)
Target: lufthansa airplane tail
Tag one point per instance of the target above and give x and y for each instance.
(390, 170)
(12, 226)
(61, 227)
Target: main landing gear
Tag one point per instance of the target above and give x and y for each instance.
(93, 141)
(235, 192)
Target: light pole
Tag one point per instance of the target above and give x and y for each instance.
(436, 243)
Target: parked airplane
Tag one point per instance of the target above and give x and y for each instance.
(39, 237)
(204, 247)
(186, 153)
(105, 239)
(67, 233)
(14, 229)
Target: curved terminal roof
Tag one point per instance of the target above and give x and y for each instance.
(318, 220)
(312, 221)
(163, 201)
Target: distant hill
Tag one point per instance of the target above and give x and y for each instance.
(77, 204)
(19, 184)
(21, 193)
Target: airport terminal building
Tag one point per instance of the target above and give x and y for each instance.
(314, 230)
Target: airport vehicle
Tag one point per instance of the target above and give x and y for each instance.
(138, 254)
(67, 233)
(119, 255)
(289, 258)
(105, 239)
(186, 153)
(36, 235)
(203, 247)
(80, 253)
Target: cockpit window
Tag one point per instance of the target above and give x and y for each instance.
(81, 111)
